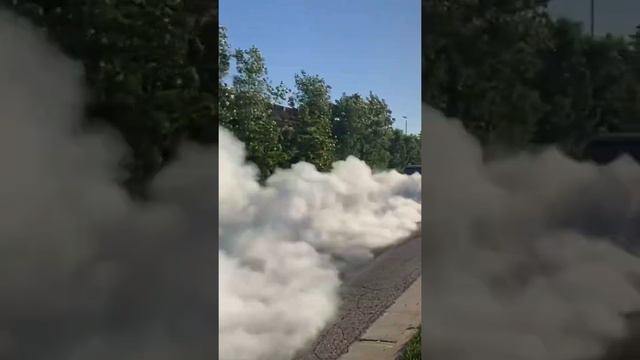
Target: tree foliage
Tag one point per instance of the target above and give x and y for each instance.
(246, 106)
(515, 76)
(148, 65)
(363, 129)
(403, 149)
(322, 132)
(313, 137)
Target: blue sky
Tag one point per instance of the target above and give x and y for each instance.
(357, 46)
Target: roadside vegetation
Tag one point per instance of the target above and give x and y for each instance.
(516, 76)
(149, 69)
(323, 130)
(151, 73)
(412, 351)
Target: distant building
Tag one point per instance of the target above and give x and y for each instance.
(286, 116)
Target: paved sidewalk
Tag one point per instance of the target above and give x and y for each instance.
(387, 336)
(366, 294)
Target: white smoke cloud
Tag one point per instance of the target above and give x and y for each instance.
(282, 245)
(86, 272)
(521, 256)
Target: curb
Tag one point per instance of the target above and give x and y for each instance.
(386, 337)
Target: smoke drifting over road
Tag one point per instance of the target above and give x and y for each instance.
(88, 273)
(282, 246)
(523, 257)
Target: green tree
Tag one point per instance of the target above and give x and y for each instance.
(404, 149)
(609, 69)
(224, 55)
(565, 86)
(480, 62)
(632, 98)
(363, 128)
(246, 110)
(143, 63)
(376, 153)
(350, 114)
(314, 141)
(224, 92)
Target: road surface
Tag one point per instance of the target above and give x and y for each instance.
(629, 347)
(366, 293)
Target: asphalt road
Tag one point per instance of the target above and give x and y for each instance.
(366, 293)
(629, 347)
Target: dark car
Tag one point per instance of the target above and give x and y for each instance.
(604, 149)
(412, 169)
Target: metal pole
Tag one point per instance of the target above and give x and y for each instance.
(592, 17)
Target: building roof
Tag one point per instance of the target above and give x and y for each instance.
(285, 115)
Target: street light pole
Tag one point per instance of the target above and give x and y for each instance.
(592, 17)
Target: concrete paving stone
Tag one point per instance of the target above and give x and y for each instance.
(410, 301)
(370, 351)
(392, 327)
(366, 294)
(400, 319)
(388, 334)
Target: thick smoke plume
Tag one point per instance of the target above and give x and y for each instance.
(283, 246)
(86, 273)
(527, 257)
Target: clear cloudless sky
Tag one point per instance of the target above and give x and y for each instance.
(357, 46)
